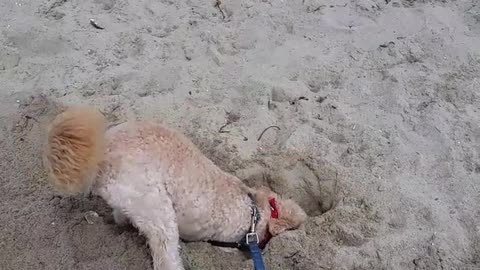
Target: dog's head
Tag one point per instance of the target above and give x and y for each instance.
(289, 215)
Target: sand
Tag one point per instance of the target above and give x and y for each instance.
(377, 104)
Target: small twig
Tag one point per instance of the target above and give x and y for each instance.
(115, 108)
(224, 126)
(94, 24)
(315, 9)
(217, 5)
(31, 117)
(231, 118)
(261, 134)
(291, 256)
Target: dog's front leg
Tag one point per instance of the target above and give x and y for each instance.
(156, 219)
(165, 251)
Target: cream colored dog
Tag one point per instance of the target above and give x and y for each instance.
(158, 180)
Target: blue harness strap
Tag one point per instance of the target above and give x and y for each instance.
(256, 253)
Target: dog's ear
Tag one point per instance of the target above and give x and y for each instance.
(290, 216)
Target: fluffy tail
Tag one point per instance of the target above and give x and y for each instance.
(75, 147)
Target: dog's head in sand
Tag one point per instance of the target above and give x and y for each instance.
(285, 214)
(80, 157)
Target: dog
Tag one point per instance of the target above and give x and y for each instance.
(159, 181)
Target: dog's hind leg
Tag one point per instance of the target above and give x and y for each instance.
(151, 211)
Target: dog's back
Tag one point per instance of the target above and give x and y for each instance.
(155, 155)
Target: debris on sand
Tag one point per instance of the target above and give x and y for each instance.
(91, 216)
(94, 24)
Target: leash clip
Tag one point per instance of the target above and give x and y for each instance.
(252, 237)
(254, 220)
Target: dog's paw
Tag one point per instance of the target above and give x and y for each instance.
(120, 218)
(227, 250)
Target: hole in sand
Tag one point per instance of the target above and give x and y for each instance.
(313, 185)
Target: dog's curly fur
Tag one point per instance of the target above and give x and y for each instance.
(158, 180)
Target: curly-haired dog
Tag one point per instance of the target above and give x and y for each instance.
(158, 180)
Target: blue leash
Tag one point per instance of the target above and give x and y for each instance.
(252, 241)
(256, 255)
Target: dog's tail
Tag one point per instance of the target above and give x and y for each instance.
(74, 149)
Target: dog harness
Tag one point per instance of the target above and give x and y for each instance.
(251, 240)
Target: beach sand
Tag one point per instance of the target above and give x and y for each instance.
(376, 103)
